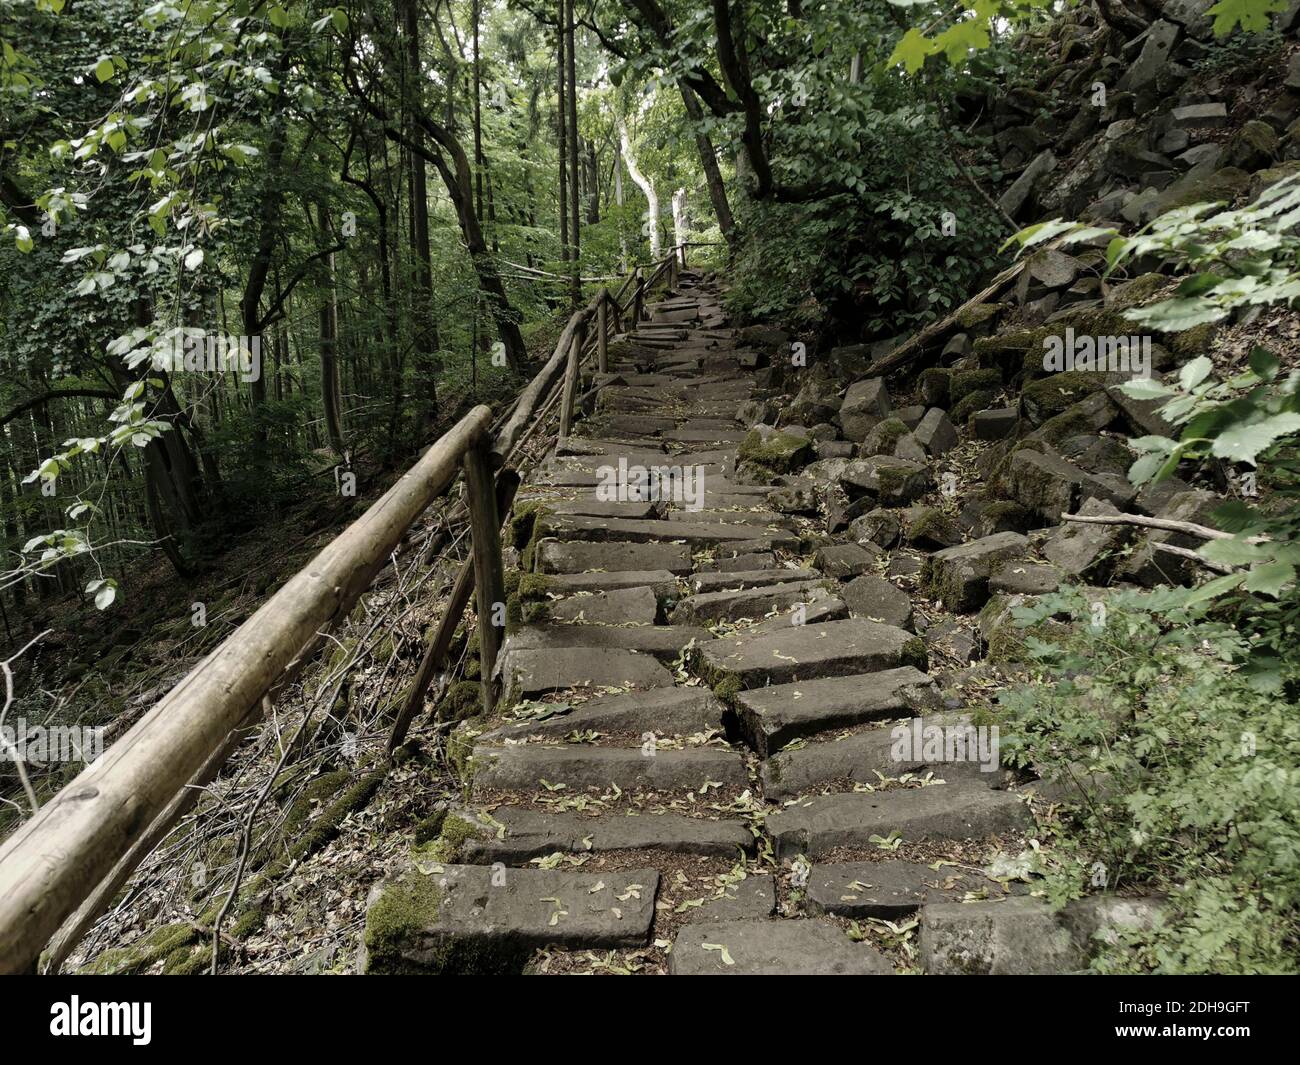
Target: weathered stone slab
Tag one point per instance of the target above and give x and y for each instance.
(1050, 486)
(936, 433)
(729, 563)
(532, 834)
(529, 673)
(1022, 577)
(663, 583)
(732, 605)
(773, 716)
(755, 578)
(865, 404)
(806, 652)
(578, 766)
(1021, 935)
(467, 919)
(889, 889)
(664, 642)
(577, 557)
(666, 711)
(884, 751)
(820, 606)
(628, 606)
(847, 560)
(877, 599)
(758, 518)
(595, 508)
(893, 481)
(940, 811)
(771, 948)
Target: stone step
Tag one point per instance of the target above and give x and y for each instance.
(664, 642)
(518, 835)
(942, 811)
(890, 889)
(463, 919)
(663, 583)
(758, 518)
(642, 424)
(752, 578)
(877, 599)
(524, 767)
(573, 527)
(628, 606)
(807, 652)
(889, 752)
(753, 897)
(595, 508)
(666, 711)
(820, 607)
(588, 445)
(579, 556)
(733, 605)
(771, 948)
(738, 563)
(526, 674)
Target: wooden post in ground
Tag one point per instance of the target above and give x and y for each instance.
(571, 376)
(638, 300)
(489, 571)
(435, 656)
(602, 332)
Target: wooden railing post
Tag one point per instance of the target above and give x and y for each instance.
(602, 332)
(683, 249)
(489, 570)
(571, 375)
(638, 300)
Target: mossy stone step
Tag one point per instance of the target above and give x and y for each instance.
(524, 767)
(772, 948)
(734, 580)
(661, 581)
(471, 919)
(665, 642)
(515, 835)
(940, 811)
(771, 717)
(808, 652)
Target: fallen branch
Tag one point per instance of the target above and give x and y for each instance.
(1187, 552)
(1167, 524)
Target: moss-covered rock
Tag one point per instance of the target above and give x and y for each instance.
(971, 404)
(968, 382)
(934, 384)
(882, 439)
(1053, 394)
(1195, 341)
(779, 452)
(1136, 292)
(980, 314)
(144, 953)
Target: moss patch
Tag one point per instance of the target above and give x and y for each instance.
(884, 437)
(968, 382)
(780, 452)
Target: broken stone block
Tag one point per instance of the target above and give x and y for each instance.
(865, 404)
(959, 576)
(847, 560)
(876, 599)
(1050, 486)
(997, 423)
(936, 433)
(1088, 552)
(891, 480)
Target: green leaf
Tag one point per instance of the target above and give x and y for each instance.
(1251, 14)
(104, 70)
(1215, 588)
(340, 19)
(912, 51)
(1270, 578)
(1232, 552)
(1243, 442)
(1145, 388)
(1263, 363)
(1195, 372)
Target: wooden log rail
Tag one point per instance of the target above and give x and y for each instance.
(61, 868)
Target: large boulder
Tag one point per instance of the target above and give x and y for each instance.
(893, 481)
(866, 403)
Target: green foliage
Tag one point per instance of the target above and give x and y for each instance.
(1188, 777)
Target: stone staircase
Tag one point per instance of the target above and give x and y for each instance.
(692, 768)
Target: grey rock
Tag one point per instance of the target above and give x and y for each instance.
(865, 404)
(753, 897)
(1198, 115)
(1014, 199)
(888, 889)
(529, 673)
(524, 767)
(742, 603)
(1088, 552)
(554, 556)
(876, 599)
(772, 948)
(959, 576)
(935, 433)
(636, 606)
(847, 560)
(996, 423)
(889, 479)
(668, 711)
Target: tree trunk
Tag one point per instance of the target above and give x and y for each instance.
(561, 138)
(712, 172)
(575, 284)
(645, 185)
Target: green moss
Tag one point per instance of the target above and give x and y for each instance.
(249, 923)
(430, 828)
(460, 702)
(1195, 341)
(883, 438)
(971, 404)
(524, 519)
(1136, 292)
(143, 953)
(727, 689)
(1005, 515)
(324, 829)
(967, 382)
(914, 654)
(933, 524)
(1051, 395)
(313, 794)
(1070, 422)
(780, 452)
(450, 843)
(973, 317)
(534, 586)
(935, 382)
(405, 911)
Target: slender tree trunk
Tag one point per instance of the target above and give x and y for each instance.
(709, 164)
(575, 285)
(562, 136)
(646, 186)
